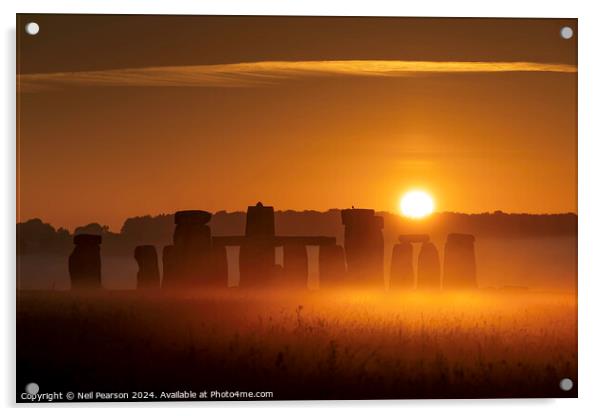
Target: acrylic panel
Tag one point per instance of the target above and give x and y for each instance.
(295, 208)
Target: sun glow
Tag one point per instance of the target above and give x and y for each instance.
(416, 204)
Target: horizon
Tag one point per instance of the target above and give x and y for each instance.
(117, 230)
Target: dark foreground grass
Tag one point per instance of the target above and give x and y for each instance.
(346, 345)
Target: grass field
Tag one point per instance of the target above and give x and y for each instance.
(337, 345)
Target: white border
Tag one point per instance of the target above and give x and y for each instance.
(590, 207)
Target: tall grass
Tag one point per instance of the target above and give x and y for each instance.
(350, 344)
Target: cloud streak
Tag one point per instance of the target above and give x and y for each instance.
(266, 73)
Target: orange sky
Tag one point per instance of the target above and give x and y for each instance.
(298, 125)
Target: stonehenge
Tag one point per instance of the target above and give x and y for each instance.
(257, 259)
(428, 272)
(331, 264)
(402, 268)
(260, 221)
(459, 263)
(169, 265)
(218, 275)
(295, 264)
(257, 256)
(188, 261)
(402, 274)
(85, 263)
(148, 267)
(198, 259)
(364, 247)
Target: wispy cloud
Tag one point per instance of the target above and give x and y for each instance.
(266, 73)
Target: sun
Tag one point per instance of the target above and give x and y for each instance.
(416, 204)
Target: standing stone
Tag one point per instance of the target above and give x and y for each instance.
(364, 247)
(169, 266)
(459, 263)
(402, 269)
(331, 264)
(295, 265)
(148, 267)
(85, 263)
(219, 266)
(257, 259)
(191, 248)
(257, 263)
(260, 221)
(429, 268)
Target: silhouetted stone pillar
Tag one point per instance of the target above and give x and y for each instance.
(219, 266)
(148, 267)
(257, 260)
(295, 265)
(402, 268)
(459, 263)
(364, 247)
(192, 248)
(169, 266)
(429, 268)
(192, 230)
(331, 264)
(260, 221)
(402, 261)
(85, 263)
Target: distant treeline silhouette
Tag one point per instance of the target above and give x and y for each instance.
(36, 237)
